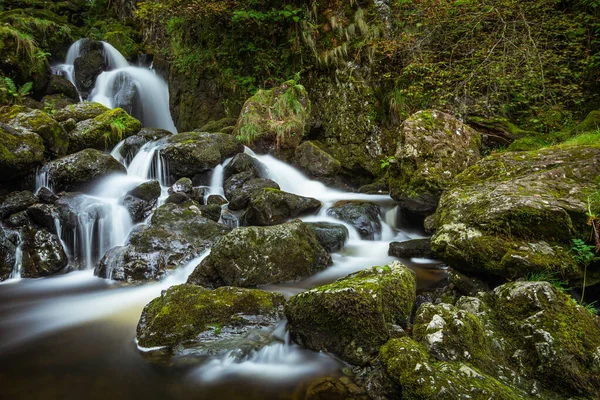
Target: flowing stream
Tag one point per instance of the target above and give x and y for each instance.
(72, 336)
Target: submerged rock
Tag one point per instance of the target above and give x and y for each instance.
(354, 316)
(364, 216)
(21, 151)
(212, 321)
(272, 207)
(81, 170)
(252, 256)
(434, 148)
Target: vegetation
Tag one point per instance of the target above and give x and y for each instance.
(15, 95)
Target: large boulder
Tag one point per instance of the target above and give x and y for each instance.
(523, 339)
(81, 170)
(273, 206)
(140, 200)
(175, 235)
(275, 119)
(516, 213)
(433, 149)
(80, 111)
(210, 320)
(86, 70)
(104, 131)
(354, 316)
(43, 253)
(134, 143)
(252, 256)
(7, 256)
(22, 118)
(362, 215)
(21, 151)
(59, 85)
(191, 154)
(316, 162)
(239, 188)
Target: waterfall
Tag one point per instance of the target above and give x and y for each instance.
(42, 179)
(114, 59)
(149, 164)
(16, 272)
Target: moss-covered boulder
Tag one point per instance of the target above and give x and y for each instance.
(516, 213)
(191, 154)
(21, 151)
(273, 206)
(134, 143)
(60, 85)
(434, 147)
(55, 102)
(141, 200)
(362, 215)
(220, 125)
(316, 162)
(354, 316)
(522, 340)
(22, 118)
(331, 236)
(212, 321)
(175, 235)
(275, 119)
(80, 111)
(239, 188)
(589, 124)
(252, 256)
(104, 131)
(79, 171)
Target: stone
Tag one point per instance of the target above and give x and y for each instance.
(60, 85)
(86, 70)
(362, 215)
(316, 162)
(21, 152)
(331, 236)
(415, 248)
(17, 201)
(43, 253)
(272, 206)
(80, 111)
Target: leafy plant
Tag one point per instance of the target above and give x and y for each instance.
(550, 277)
(117, 128)
(584, 255)
(386, 162)
(16, 94)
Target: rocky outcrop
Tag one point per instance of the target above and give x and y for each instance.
(354, 316)
(433, 149)
(20, 152)
(364, 216)
(252, 256)
(273, 206)
(316, 162)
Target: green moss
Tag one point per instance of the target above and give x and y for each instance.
(589, 124)
(20, 152)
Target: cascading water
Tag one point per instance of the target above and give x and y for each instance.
(16, 272)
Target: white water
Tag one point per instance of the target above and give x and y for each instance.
(16, 272)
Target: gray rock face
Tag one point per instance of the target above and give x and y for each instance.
(17, 201)
(364, 216)
(86, 70)
(252, 256)
(331, 236)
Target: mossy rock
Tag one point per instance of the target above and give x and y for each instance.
(252, 256)
(134, 143)
(56, 140)
(275, 119)
(104, 131)
(218, 125)
(354, 316)
(60, 85)
(272, 206)
(316, 162)
(331, 236)
(589, 124)
(141, 200)
(240, 187)
(21, 151)
(80, 111)
(80, 171)
(516, 213)
(55, 102)
(189, 313)
(433, 149)
(362, 215)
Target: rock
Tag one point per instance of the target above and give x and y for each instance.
(331, 236)
(7, 256)
(516, 213)
(219, 125)
(43, 253)
(252, 256)
(147, 191)
(177, 198)
(239, 188)
(17, 220)
(273, 206)
(46, 195)
(69, 207)
(81, 170)
(175, 235)
(417, 248)
(54, 102)
(141, 200)
(104, 131)
(362, 215)
(133, 144)
(183, 185)
(80, 111)
(69, 125)
(212, 211)
(86, 70)
(21, 151)
(242, 162)
(193, 153)
(354, 316)
(316, 162)
(61, 85)
(216, 199)
(333, 388)
(589, 124)
(434, 148)
(43, 215)
(17, 201)
(275, 119)
(22, 118)
(523, 339)
(212, 320)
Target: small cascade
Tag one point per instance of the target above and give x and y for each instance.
(149, 164)
(42, 179)
(216, 180)
(16, 271)
(114, 59)
(116, 153)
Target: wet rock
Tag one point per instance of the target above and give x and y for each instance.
(80, 111)
(175, 235)
(21, 151)
(433, 149)
(17, 201)
(273, 206)
(104, 131)
(56, 140)
(331, 236)
(43, 215)
(70, 205)
(316, 162)
(177, 198)
(55, 102)
(134, 143)
(61, 85)
(43, 253)
(211, 211)
(364, 216)
(216, 199)
(242, 162)
(183, 185)
(252, 256)
(7, 256)
(354, 316)
(81, 170)
(141, 200)
(147, 191)
(210, 320)
(515, 213)
(239, 188)
(17, 220)
(418, 248)
(86, 70)
(194, 153)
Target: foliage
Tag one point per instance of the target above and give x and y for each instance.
(117, 129)
(584, 255)
(14, 93)
(550, 277)
(384, 163)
